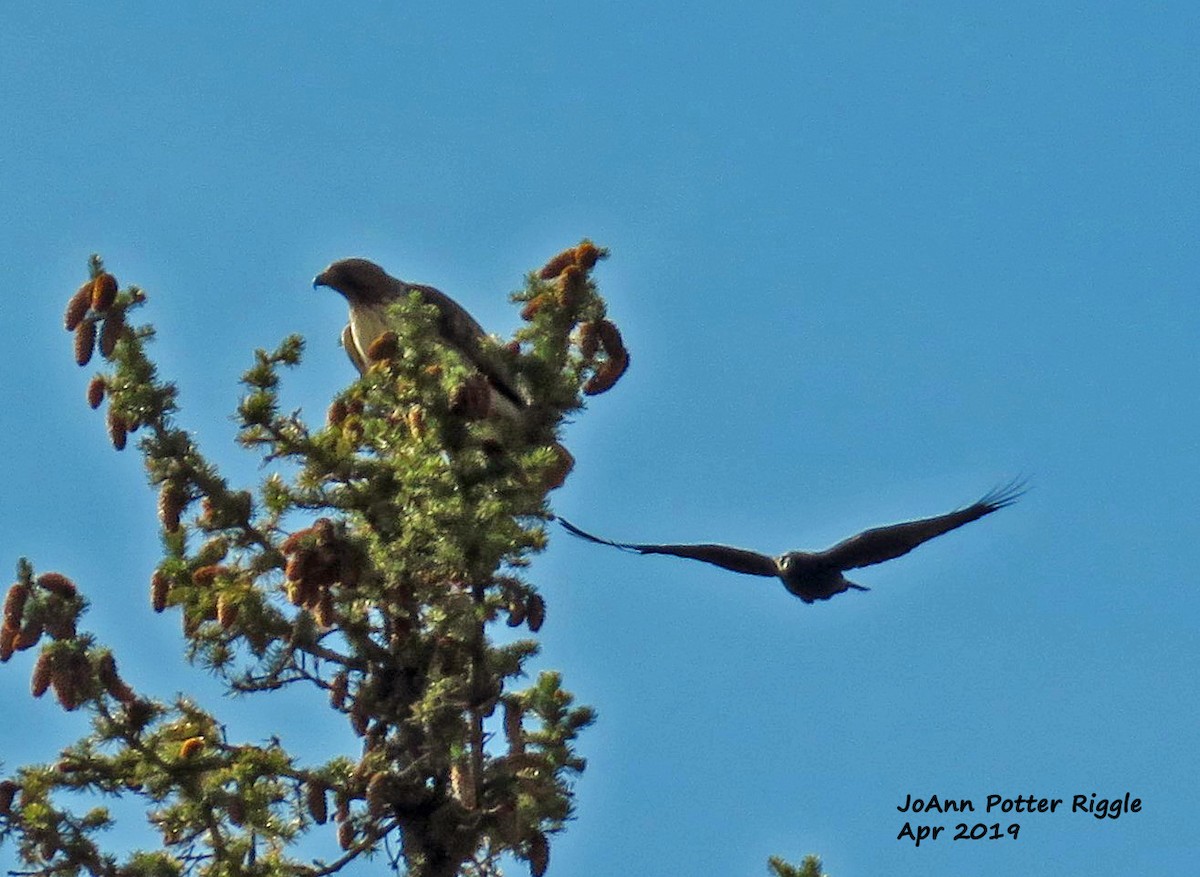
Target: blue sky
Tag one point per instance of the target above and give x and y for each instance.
(870, 261)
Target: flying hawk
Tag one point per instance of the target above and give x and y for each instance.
(817, 575)
(368, 289)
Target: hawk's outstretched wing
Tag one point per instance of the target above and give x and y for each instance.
(884, 543)
(735, 559)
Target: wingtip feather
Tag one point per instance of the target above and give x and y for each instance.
(575, 531)
(1005, 494)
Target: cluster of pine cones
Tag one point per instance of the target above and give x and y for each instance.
(69, 672)
(23, 630)
(570, 268)
(95, 304)
(319, 557)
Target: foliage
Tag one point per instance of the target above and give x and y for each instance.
(370, 567)
(810, 867)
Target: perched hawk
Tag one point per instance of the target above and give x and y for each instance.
(369, 290)
(817, 575)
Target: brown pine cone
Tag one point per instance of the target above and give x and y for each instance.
(28, 636)
(8, 636)
(338, 690)
(8, 791)
(324, 611)
(377, 792)
(114, 326)
(573, 282)
(172, 500)
(564, 463)
(104, 291)
(386, 346)
(462, 785)
(293, 542)
(589, 339)
(534, 305)
(535, 612)
(61, 626)
(588, 254)
(539, 854)
(227, 611)
(318, 807)
(160, 585)
(43, 671)
(106, 671)
(337, 412)
(95, 392)
(14, 603)
(556, 265)
(64, 679)
(610, 338)
(118, 429)
(85, 342)
(607, 375)
(57, 583)
(204, 576)
(77, 307)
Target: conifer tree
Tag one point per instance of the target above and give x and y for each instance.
(369, 567)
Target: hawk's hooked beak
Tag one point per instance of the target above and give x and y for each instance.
(321, 279)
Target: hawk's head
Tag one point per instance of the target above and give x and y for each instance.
(361, 281)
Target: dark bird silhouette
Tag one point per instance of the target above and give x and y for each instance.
(368, 289)
(817, 575)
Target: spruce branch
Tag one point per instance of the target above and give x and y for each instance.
(370, 566)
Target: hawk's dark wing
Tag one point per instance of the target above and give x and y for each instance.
(463, 332)
(352, 350)
(885, 543)
(735, 559)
